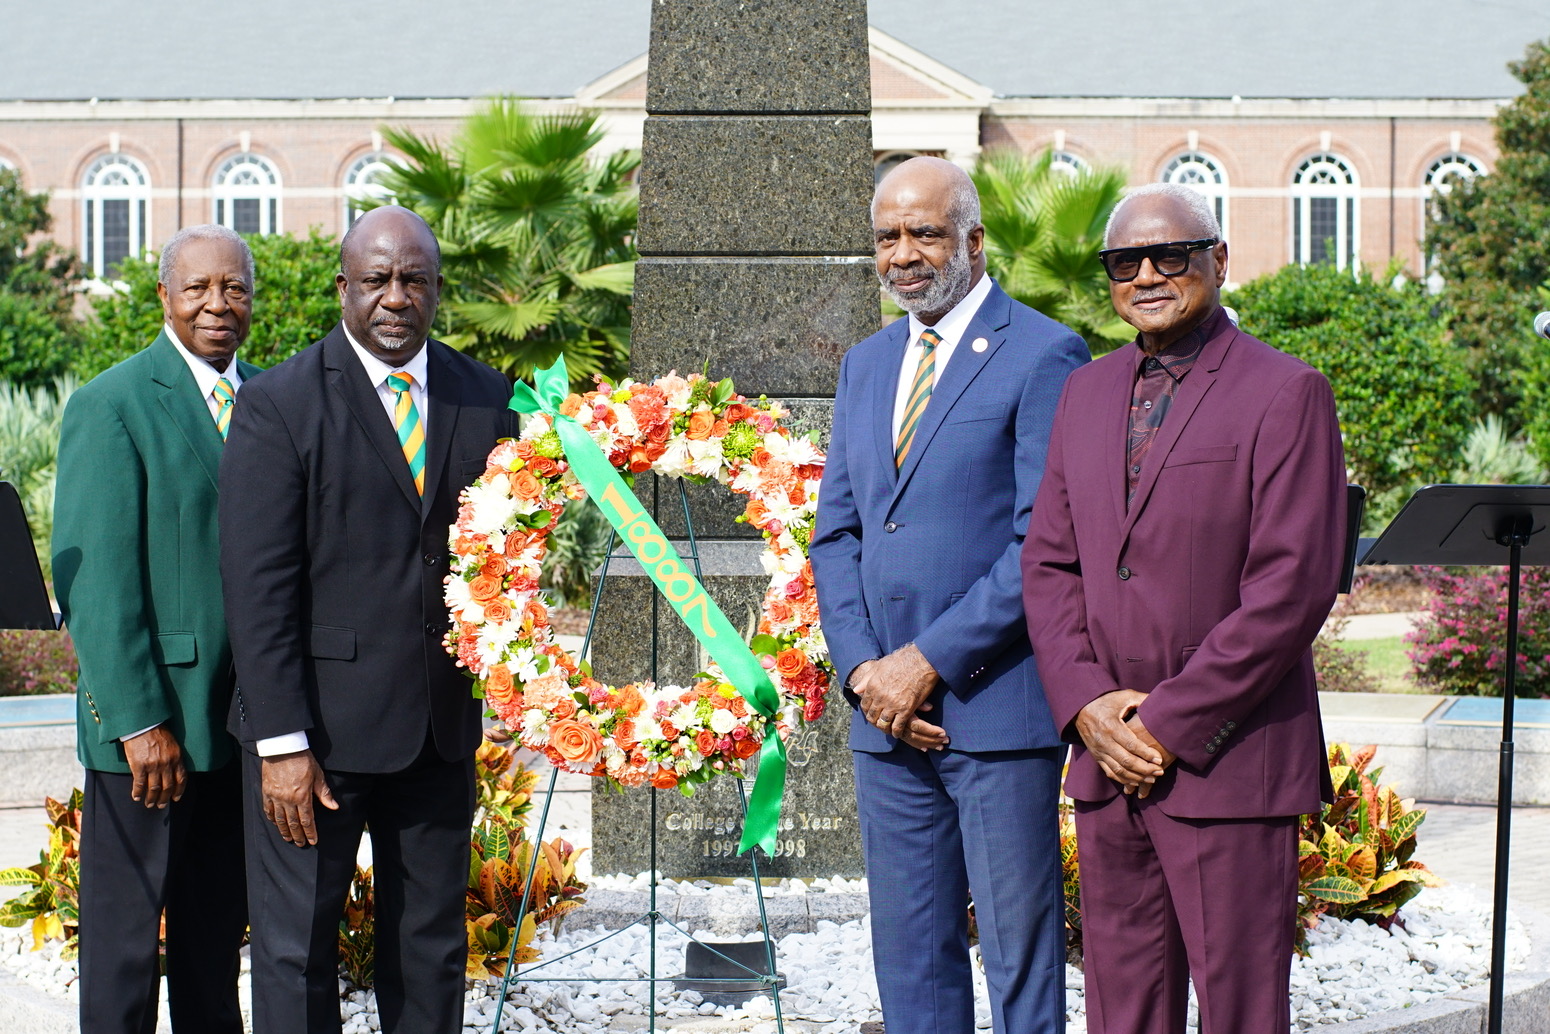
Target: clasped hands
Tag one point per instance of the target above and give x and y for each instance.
(893, 690)
(1118, 740)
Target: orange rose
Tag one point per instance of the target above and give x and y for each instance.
(778, 611)
(575, 742)
(739, 706)
(756, 512)
(627, 699)
(705, 742)
(701, 421)
(669, 731)
(624, 734)
(664, 779)
(790, 663)
(495, 566)
(571, 406)
(536, 613)
(544, 467)
(516, 542)
(565, 707)
(743, 749)
(639, 460)
(497, 610)
(525, 486)
(737, 411)
(761, 457)
(499, 689)
(719, 429)
(485, 587)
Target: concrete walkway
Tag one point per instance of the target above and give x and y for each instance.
(1378, 626)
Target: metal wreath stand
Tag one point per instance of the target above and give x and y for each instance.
(651, 918)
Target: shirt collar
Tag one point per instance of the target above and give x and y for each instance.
(205, 375)
(377, 371)
(951, 326)
(1178, 358)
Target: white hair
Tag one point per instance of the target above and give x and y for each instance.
(1201, 211)
(204, 232)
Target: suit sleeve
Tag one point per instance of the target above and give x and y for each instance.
(970, 634)
(835, 551)
(263, 523)
(101, 567)
(1289, 581)
(1054, 601)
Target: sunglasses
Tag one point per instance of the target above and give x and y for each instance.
(1124, 264)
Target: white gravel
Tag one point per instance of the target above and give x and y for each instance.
(1355, 970)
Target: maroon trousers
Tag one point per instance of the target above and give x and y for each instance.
(1165, 899)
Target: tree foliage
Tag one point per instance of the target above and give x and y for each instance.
(294, 304)
(1491, 242)
(1402, 389)
(1043, 231)
(38, 283)
(536, 237)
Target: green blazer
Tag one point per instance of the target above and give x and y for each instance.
(137, 560)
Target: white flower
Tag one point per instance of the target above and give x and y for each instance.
(722, 722)
(492, 506)
(457, 594)
(675, 461)
(685, 717)
(625, 422)
(707, 457)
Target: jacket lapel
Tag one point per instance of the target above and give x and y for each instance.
(443, 393)
(1194, 388)
(885, 391)
(183, 404)
(347, 378)
(989, 323)
(1116, 436)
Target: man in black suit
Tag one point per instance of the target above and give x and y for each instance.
(341, 477)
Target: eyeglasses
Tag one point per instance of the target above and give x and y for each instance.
(1124, 264)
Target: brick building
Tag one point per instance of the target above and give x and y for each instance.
(1308, 123)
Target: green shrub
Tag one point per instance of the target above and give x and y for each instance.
(36, 662)
(1340, 669)
(1402, 390)
(29, 445)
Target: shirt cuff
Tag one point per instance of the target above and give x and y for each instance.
(290, 743)
(142, 732)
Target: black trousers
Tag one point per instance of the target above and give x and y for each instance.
(136, 862)
(419, 820)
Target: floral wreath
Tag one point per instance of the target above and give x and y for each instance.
(668, 736)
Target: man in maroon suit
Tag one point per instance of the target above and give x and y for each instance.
(1184, 550)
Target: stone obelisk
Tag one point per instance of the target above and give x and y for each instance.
(755, 264)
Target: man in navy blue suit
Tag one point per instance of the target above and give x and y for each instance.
(940, 426)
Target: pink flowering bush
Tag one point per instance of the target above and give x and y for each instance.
(1460, 644)
(33, 662)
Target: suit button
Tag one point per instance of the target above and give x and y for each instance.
(432, 559)
(890, 527)
(1231, 726)
(1124, 574)
(1210, 748)
(434, 630)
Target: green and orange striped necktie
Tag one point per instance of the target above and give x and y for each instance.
(920, 394)
(225, 397)
(411, 433)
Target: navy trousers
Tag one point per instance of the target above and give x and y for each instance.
(937, 826)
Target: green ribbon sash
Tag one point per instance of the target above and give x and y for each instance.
(678, 585)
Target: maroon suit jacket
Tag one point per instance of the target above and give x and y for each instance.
(1207, 593)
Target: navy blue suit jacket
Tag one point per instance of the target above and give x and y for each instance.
(930, 553)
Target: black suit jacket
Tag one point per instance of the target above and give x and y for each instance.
(334, 588)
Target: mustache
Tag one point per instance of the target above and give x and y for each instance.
(924, 271)
(1149, 296)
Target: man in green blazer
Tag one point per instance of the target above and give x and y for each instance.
(137, 574)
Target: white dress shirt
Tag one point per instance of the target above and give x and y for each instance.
(377, 372)
(950, 328)
(205, 376)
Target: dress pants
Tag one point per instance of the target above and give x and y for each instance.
(1165, 899)
(136, 862)
(419, 820)
(936, 825)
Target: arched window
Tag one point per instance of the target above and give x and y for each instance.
(115, 218)
(363, 182)
(1324, 212)
(1204, 174)
(246, 195)
(888, 161)
(1447, 172)
(1066, 162)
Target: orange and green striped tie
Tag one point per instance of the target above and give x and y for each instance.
(225, 397)
(920, 394)
(411, 434)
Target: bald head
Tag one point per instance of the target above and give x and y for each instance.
(389, 283)
(926, 231)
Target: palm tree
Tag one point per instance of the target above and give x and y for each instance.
(1043, 231)
(536, 237)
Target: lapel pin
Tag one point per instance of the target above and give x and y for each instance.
(980, 344)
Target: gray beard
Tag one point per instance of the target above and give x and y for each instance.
(949, 286)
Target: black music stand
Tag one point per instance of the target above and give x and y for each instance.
(24, 603)
(1472, 525)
